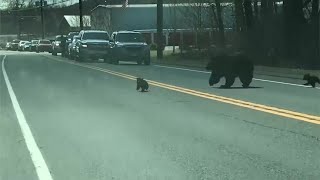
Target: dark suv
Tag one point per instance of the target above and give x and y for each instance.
(57, 44)
(129, 46)
(43, 46)
(15, 45)
(92, 45)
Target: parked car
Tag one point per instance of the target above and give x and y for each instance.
(8, 46)
(57, 44)
(26, 46)
(21, 44)
(129, 46)
(69, 41)
(93, 45)
(15, 44)
(43, 46)
(34, 43)
(72, 47)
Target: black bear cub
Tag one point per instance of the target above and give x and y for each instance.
(142, 84)
(230, 67)
(311, 80)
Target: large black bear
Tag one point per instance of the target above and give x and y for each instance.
(230, 67)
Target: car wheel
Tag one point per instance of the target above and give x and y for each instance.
(79, 58)
(139, 62)
(147, 62)
(115, 61)
(72, 57)
(107, 60)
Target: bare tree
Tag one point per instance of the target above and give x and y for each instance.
(316, 30)
(101, 20)
(220, 24)
(239, 14)
(76, 21)
(15, 4)
(294, 19)
(196, 16)
(247, 4)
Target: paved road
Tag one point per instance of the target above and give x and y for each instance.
(90, 124)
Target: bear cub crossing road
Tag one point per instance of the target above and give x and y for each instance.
(230, 67)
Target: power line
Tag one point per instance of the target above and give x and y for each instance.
(33, 8)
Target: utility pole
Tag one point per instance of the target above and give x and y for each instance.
(0, 22)
(81, 14)
(316, 31)
(174, 24)
(42, 18)
(16, 19)
(159, 29)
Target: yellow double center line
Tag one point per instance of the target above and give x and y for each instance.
(258, 107)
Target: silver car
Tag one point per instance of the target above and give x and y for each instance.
(26, 46)
(21, 44)
(72, 47)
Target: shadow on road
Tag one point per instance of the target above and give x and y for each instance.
(121, 64)
(252, 87)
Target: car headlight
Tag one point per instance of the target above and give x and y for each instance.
(119, 45)
(84, 45)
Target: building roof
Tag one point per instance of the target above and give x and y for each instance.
(126, 32)
(95, 31)
(74, 21)
(154, 5)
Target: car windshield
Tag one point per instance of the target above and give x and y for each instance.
(59, 38)
(96, 36)
(45, 42)
(34, 41)
(130, 37)
(71, 35)
(16, 41)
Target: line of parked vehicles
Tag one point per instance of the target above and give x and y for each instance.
(91, 45)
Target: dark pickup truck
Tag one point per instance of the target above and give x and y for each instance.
(92, 45)
(129, 46)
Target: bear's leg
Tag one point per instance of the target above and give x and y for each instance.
(211, 82)
(246, 79)
(214, 79)
(229, 81)
(313, 84)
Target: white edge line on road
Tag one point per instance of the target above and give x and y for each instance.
(206, 72)
(35, 153)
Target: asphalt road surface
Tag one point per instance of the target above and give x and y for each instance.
(67, 121)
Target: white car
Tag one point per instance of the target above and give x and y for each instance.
(72, 47)
(26, 46)
(21, 44)
(8, 45)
